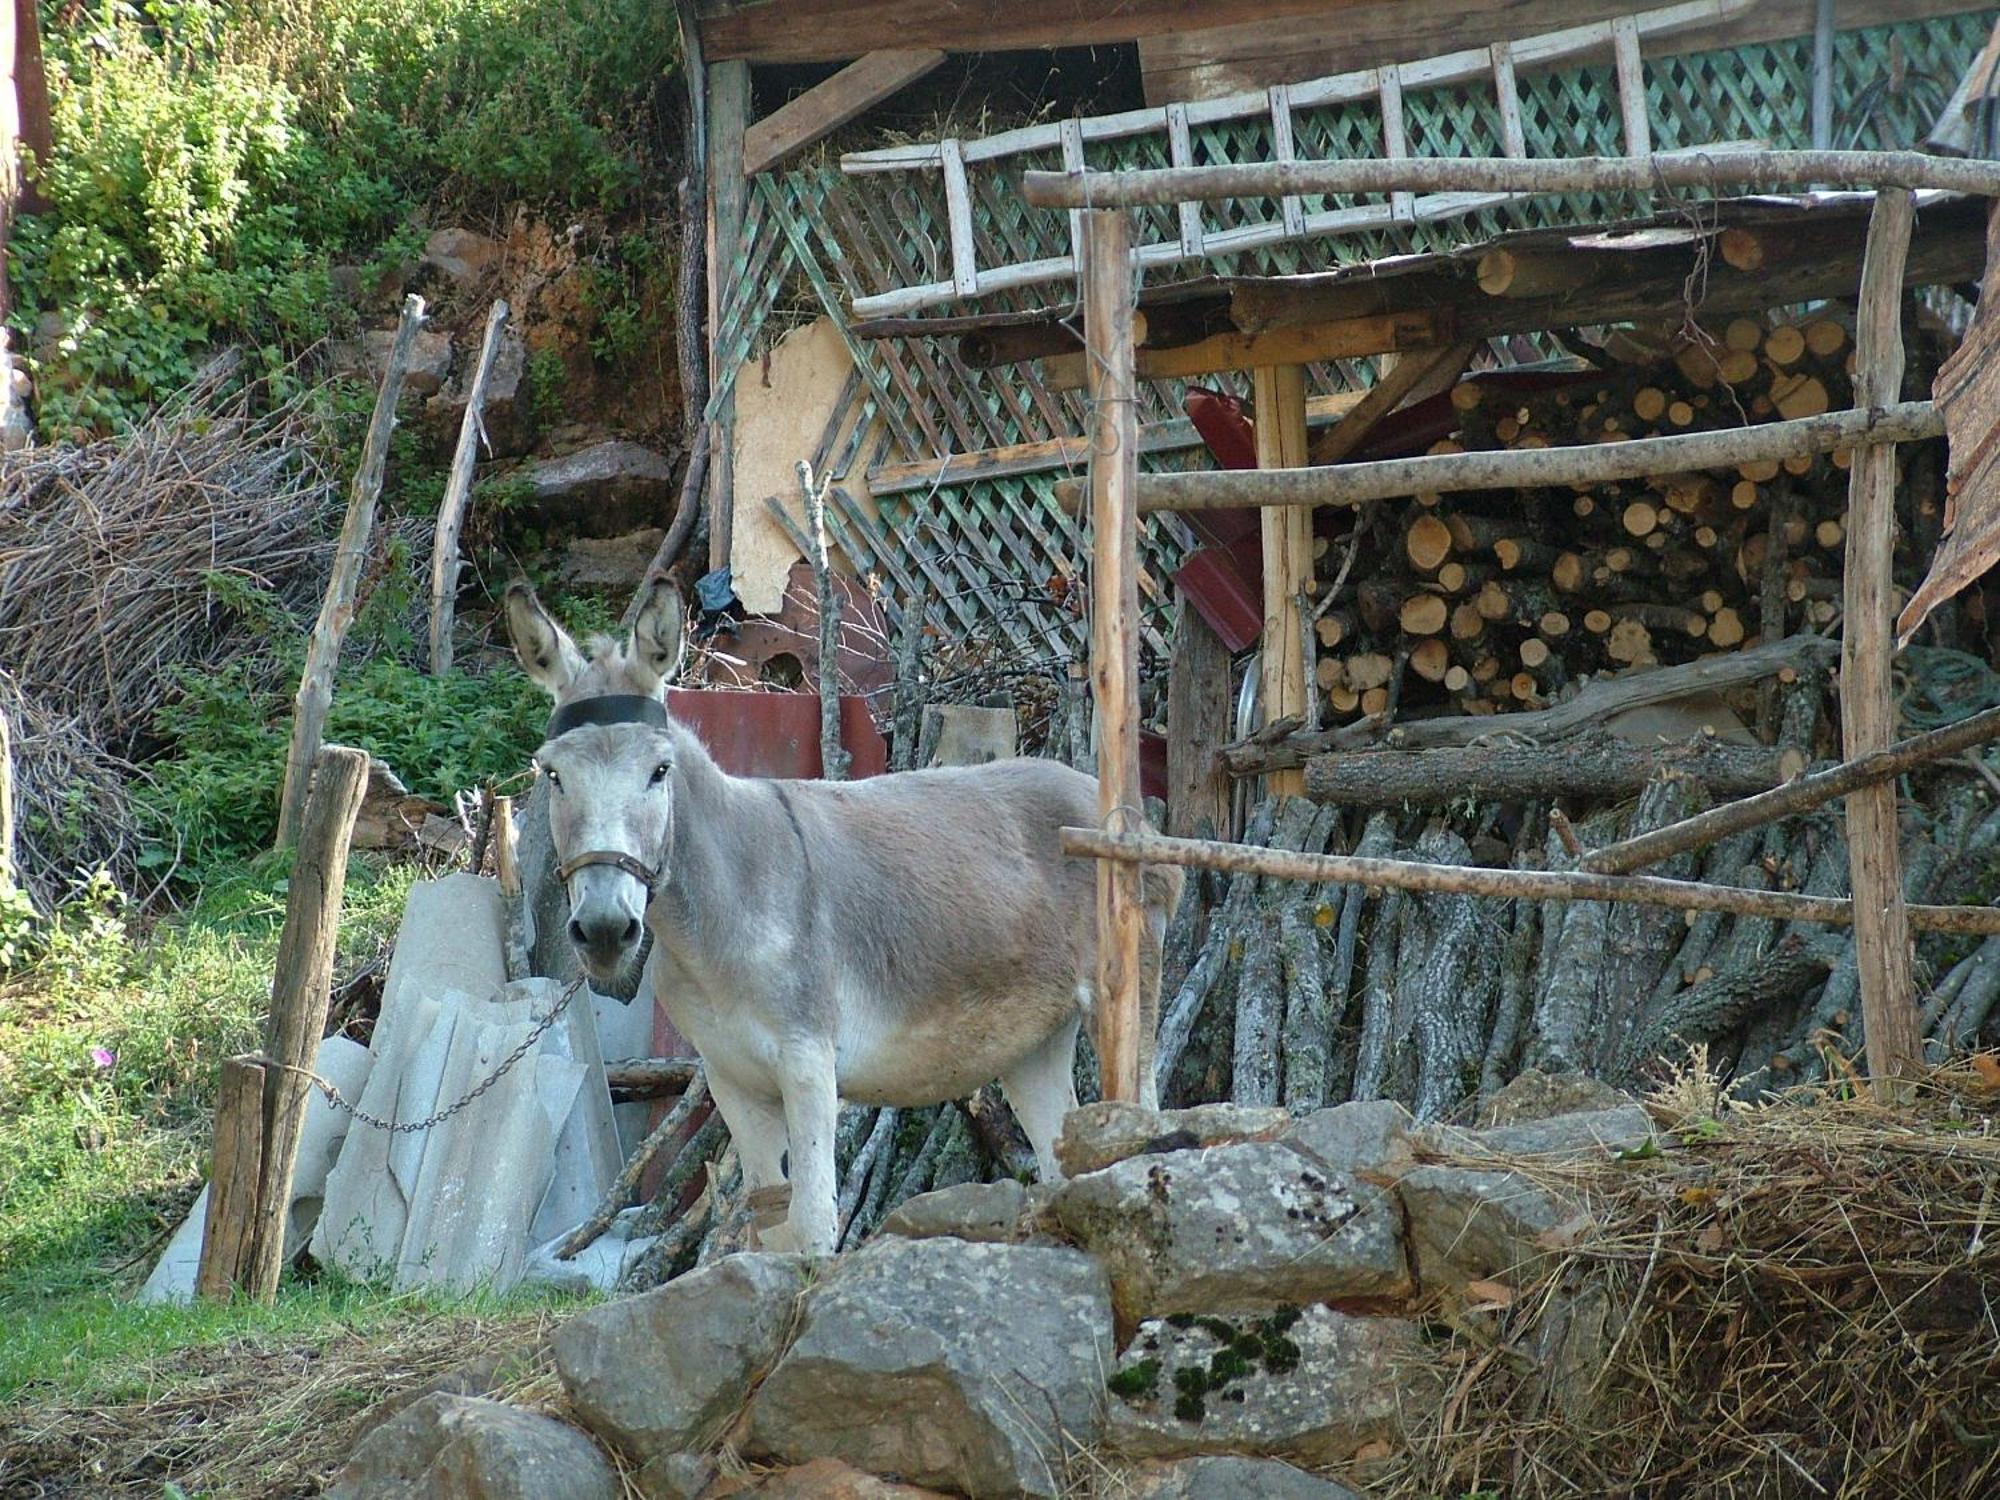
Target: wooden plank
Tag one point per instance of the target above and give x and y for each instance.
(1631, 70)
(827, 106)
(1199, 704)
(1507, 97)
(1396, 140)
(1064, 452)
(825, 30)
(1280, 394)
(958, 208)
(1291, 208)
(1348, 338)
(301, 985)
(728, 106)
(1180, 151)
(1197, 64)
(1867, 696)
(1532, 885)
(235, 1169)
(1110, 292)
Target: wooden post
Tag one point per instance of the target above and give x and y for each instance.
(300, 990)
(1198, 707)
(233, 1180)
(506, 847)
(834, 759)
(1867, 700)
(336, 611)
(728, 116)
(1280, 394)
(451, 512)
(1109, 305)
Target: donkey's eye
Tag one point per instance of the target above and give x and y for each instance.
(659, 774)
(555, 781)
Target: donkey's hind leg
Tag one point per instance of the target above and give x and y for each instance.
(1041, 1087)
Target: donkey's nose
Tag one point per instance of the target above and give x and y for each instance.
(604, 936)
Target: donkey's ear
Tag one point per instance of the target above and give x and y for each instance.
(658, 628)
(546, 652)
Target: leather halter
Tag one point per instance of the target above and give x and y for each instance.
(610, 708)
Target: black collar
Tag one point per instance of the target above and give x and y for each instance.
(610, 708)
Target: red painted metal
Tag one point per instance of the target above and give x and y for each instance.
(776, 734)
(1223, 593)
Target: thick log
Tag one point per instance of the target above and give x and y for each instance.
(1198, 721)
(1541, 885)
(1867, 697)
(1801, 795)
(1593, 765)
(1597, 702)
(336, 611)
(1580, 174)
(1537, 468)
(1718, 1004)
(234, 1173)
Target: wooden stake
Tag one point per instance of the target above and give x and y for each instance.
(451, 512)
(1109, 304)
(1535, 885)
(336, 611)
(1280, 394)
(506, 847)
(234, 1175)
(1867, 701)
(833, 757)
(1198, 704)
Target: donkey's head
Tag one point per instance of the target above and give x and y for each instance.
(609, 762)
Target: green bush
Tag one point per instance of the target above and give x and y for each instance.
(214, 157)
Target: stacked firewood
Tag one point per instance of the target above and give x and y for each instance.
(1483, 602)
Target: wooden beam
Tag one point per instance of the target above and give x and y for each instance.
(1110, 292)
(825, 107)
(1384, 396)
(1198, 724)
(1580, 174)
(1533, 885)
(1867, 697)
(728, 116)
(1282, 661)
(1527, 468)
(1347, 338)
(825, 30)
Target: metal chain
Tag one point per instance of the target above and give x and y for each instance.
(334, 1098)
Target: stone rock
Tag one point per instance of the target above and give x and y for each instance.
(665, 1371)
(1363, 1136)
(507, 416)
(1478, 1224)
(1535, 1095)
(613, 562)
(447, 1447)
(1310, 1385)
(1592, 1135)
(830, 1479)
(1002, 1212)
(1234, 1228)
(968, 1367)
(675, 1476)
(430, 358)
(605, 489)
(1227, 1478)
(461, 255)
(1097, 1135)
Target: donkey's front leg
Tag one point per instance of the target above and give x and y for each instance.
(812, 1109)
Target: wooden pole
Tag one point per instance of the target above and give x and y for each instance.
(1797, 796)
(451, 512)
(1109, 304)
(506, 847)
(300, 990)
(1713, 170)
(1822, 75)
(233, 1180)
(1280, 394)
(1472, 880)
(336, 611)
(1532, 468)
(1198, 706)
(728, 116)
(833, 757)
(1867, 698)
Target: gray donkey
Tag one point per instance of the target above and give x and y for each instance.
(899, 940)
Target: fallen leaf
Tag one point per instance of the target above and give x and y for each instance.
(1987, 1066)
(1487, 1296)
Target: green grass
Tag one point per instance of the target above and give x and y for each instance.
(110, 1040)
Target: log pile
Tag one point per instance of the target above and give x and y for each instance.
(1488, 602)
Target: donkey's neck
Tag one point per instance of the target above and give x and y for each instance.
(727, 830)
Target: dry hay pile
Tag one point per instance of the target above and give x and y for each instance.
(118, 561)
(262, 1417)
(1813, 1290)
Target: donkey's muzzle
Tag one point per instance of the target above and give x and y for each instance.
(604, 939)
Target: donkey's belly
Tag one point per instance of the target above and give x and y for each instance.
(947, 1054)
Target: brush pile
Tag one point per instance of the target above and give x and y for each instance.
(1497, 601)
(1798, 1300)
(124, 560)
